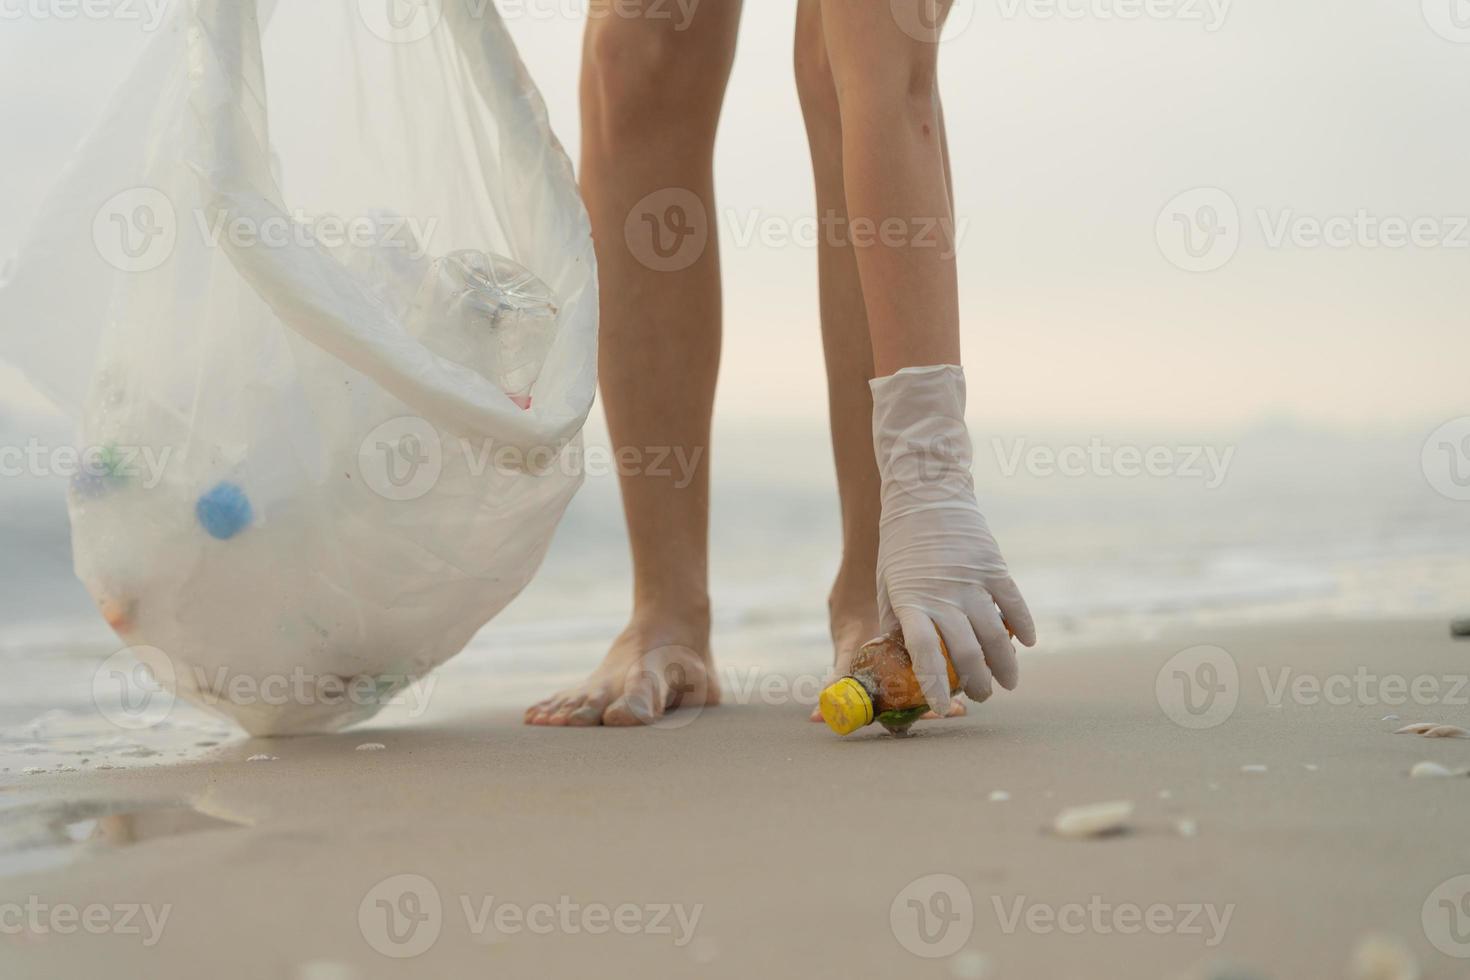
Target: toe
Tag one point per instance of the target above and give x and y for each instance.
(663, 678)
(591, 709)
(586, 716)
(956, 709)
(563, 711)
(544, 716)
(642, 700)
(633, 708)
(541, 711)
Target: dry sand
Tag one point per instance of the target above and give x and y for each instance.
(800, 852)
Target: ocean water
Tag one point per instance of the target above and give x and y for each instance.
(1282, 521)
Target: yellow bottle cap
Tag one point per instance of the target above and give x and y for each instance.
(846, 706)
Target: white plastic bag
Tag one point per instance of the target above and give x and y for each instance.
(322, 297)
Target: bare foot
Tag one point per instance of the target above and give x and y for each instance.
(642, 677)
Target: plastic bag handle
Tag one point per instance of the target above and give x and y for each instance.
(311, 292)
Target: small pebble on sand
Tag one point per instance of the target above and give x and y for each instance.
(32, 771)
(1094, 820)
(970, 964)
(1424, 770)
(1166, 794)
(1380, 957)
(1255, 767)
(1310, 766)
(999, 796)
(262, 757)
(1187, 827)
(371, 747)
(325, 970)
(1433, 729)
(704, 950)
(1389, 718)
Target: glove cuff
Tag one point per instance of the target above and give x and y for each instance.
(920, 440)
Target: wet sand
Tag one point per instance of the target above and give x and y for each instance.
(750, 842)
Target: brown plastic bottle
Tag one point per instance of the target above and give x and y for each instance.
(882, 687)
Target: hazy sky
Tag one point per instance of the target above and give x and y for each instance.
(1073, 125)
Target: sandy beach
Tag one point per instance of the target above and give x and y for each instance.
(746, 841)
(346, 342)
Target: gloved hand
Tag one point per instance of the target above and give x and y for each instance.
(938, 564)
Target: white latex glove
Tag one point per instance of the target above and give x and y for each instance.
(938, 564)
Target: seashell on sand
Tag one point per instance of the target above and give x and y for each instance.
(1447, 731)
(1424, 770)
(1380, 957)
(1418, 728)
(1093, 820)
(262, 757)
(371, 747)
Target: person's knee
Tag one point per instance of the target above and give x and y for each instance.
(645, 78)
(878, 75)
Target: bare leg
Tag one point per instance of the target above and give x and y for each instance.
(893, 150)
(848, 349)
(651, 98)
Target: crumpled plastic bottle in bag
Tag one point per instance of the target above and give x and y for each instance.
(320, 462)
(476, 308)
(489, 312)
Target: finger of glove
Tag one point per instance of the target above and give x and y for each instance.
(1000, 654)
(887, 620)
(1013, 609)
(922, 641)
(967, 654)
